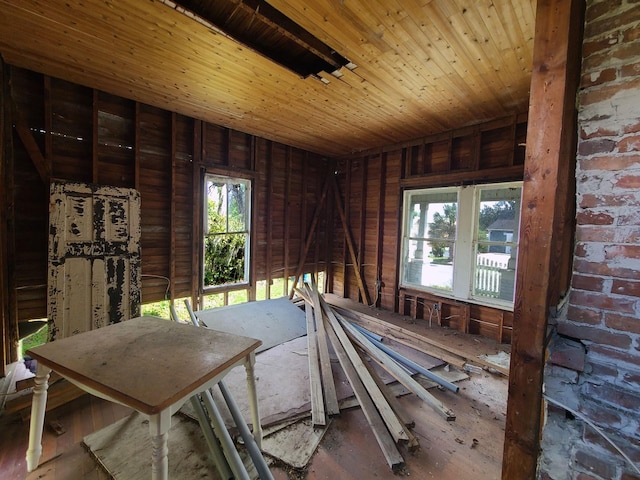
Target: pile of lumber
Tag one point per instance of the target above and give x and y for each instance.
(357, 348)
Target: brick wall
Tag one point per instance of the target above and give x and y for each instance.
(593, 367)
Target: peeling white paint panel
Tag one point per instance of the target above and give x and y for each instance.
(94, 257)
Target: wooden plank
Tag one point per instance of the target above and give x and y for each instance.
(329, 387)
(317, 405)
(551, 138)
(42, 166)
(196, 175)
(385, 440)
(287, 218)
(269, 226)
(390, 419)
(396, 370)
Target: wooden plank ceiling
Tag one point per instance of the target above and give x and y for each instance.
(421, 66)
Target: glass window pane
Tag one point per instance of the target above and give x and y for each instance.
(431, 231)
(236, 210)
(216, 207)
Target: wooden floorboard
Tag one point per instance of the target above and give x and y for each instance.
(348, 450)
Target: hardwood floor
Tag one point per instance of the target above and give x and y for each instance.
(63, 457)
(470, 447)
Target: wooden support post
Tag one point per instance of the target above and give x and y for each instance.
(196, 188)
(550, 157)
(95, 114)
(172, 214)
(347, 235)
(312, 229)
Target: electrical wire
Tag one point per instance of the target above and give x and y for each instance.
(168, 280)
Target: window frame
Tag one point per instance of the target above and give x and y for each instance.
(466, 243)
(247, 232)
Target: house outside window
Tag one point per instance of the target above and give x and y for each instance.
(227, 221)
(462, 242)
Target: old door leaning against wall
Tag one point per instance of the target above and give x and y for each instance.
(94, 257)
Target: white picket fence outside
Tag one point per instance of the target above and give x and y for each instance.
(488, 275)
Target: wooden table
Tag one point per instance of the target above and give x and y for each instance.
(147, 363)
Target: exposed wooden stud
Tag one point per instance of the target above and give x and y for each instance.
(39, 162)
(362, 214)
(349, 241)
(198, 142)
(287, 218)
(48, 121)
(172, 219)
(136, 150)
(551, 139)
(269, 208)
(95, 115)
(380, 229)
(312, 229)
(5, 201)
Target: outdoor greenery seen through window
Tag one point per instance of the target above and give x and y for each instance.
(226, 239)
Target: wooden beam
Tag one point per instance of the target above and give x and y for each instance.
(312, 229)
(196, 265)
(329, 387)
(380, 228)
(318, 416)
(30, 144)
(172, 220)
(385, 441)
(95, 108)
(269, 208)
(550, 137)
(347, 235)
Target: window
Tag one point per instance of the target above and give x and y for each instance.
(462, 242)
(227, 231)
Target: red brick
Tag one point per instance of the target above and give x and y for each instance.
(594, 146)
(609, 163)
(585, 476)
(598, 78)
(627, 444)
(600, 132)
(612, 23)
(622, 322)
(583, 282)
(632, 378)
(593, 218)
(584, 315)
(592, 200)
(598, 268)
(602, 301)
(629, 144)
(615, 356)
(567, 354)
(630, 70)
(596, 233)
(596, 464)
(626, 287)
(616, 397)
(628, 181)
(597, 9)
(602, 371)
(581, 250)
(600, 416)
(619, 252)
(594, 334)
(604, 94)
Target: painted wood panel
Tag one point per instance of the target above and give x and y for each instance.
(94, 257)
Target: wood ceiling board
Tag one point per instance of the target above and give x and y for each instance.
(422, 67)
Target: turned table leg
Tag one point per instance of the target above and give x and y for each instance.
(38, 407)
(253, 398)
(159, 425)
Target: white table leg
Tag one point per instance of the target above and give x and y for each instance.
(38, 407)
(249, 364)
(159, 425)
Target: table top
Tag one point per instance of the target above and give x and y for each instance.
(147, 363)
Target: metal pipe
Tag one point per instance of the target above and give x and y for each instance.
(249, 440)
(212, 441)
(405, 361)
(229, 449)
